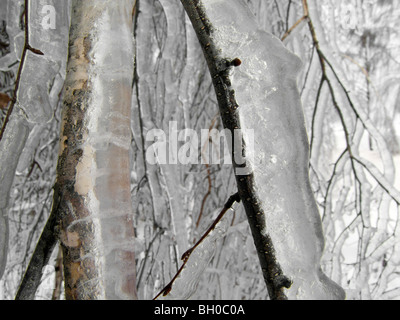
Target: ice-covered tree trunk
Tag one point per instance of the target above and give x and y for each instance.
(93, 173)
(261, 94)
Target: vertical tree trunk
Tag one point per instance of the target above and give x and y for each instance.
(93, 172)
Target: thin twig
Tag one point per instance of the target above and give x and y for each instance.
(21, 65)
(353, 158)
(305, 16)
(185, 257)
(293, 27)
(325, 78)
(321, 84)
(208, 174)
(159, 233)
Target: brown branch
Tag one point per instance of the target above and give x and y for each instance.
(325, 78)
(185, 257)
(21, 65)
(219, 68)
(376, 175)
(208, 174)
(293, 27)
(305, 16)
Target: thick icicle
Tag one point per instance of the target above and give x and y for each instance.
(261, 94)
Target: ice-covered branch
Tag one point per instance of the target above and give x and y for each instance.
(93, 171)
(261, 95)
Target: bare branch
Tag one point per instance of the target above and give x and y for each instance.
(185, 257)
(41, 255)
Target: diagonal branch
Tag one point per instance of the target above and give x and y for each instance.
(208, 174)
(219, 68)
(296, 24)
(41, 255)
(185, 257)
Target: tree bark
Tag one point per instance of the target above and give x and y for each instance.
(93, 171)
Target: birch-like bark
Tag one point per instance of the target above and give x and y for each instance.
(93, 171)
(261, 94)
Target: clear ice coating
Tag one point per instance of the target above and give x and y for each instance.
(40, 84)
(11, 146)
(99, 77)
(266, 91)
(33, 95)
(48, 29)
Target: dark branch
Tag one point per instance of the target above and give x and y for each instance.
(219, 69)
(185, 257)
(41, 255)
